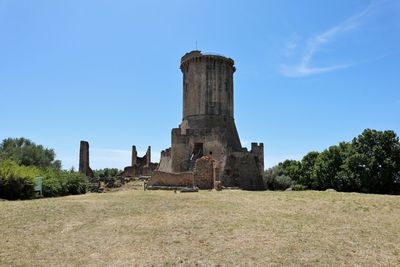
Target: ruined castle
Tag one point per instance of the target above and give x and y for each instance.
(205, 148)
(208, 128)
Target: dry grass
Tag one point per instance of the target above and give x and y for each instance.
(207, 228)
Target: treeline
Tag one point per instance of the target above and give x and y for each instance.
(370, 163)
(106, 173)
(22, 161)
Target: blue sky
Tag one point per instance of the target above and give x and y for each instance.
(309, 73)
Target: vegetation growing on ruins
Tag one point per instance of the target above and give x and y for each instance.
(106, 172)
(368, 164)
(21, 161)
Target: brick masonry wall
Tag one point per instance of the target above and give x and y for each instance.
(204, 172)
(182, 179)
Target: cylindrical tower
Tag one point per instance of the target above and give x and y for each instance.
(207, 85)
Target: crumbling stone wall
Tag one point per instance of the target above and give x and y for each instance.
(136, 171)
(84, 166)
(204, 172)
(258, 151)
(141, 161)
(141, 166)
(182, 179)
(165, 161)
(202, 176)
(134, 156)
(241, 170)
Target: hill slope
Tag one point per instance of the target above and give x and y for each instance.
(205, 228)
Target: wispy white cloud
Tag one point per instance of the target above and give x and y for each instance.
(304, 67)
(292, 45)
(304, 70)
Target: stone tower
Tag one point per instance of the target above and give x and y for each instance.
(84, 166)
(208, 126)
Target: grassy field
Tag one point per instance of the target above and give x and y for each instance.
(161, 228)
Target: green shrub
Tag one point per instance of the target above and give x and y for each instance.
(62, 183)
(280, 182)
(73, 183)
(275, 179)
(106, 173)
(17, 182)
(52, 186)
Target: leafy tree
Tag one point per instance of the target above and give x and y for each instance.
(292, 169)
(330, 169)
(106, 173)
(24, 152)
(370, 164)
(274, 179)
(307, 168)
(375, 161)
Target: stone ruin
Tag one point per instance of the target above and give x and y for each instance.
(208, 129)
(140, 166)
(84, 166)
(205, 151)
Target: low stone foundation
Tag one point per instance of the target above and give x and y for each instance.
(182, 179)
(201, 177)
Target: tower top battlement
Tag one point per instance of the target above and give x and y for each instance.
(196, 54)
(207, 85)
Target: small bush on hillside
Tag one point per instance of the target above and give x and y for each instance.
(17, 182)
(62, 183)
(52, 186)
(282, 182)
(275, 179)
(73, 183)
(106, 173)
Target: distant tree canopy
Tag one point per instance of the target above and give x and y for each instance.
(22, 161)
(370, 164)
(26, 153)
(106, 173)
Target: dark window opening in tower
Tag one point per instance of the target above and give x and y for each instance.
(198, 150)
